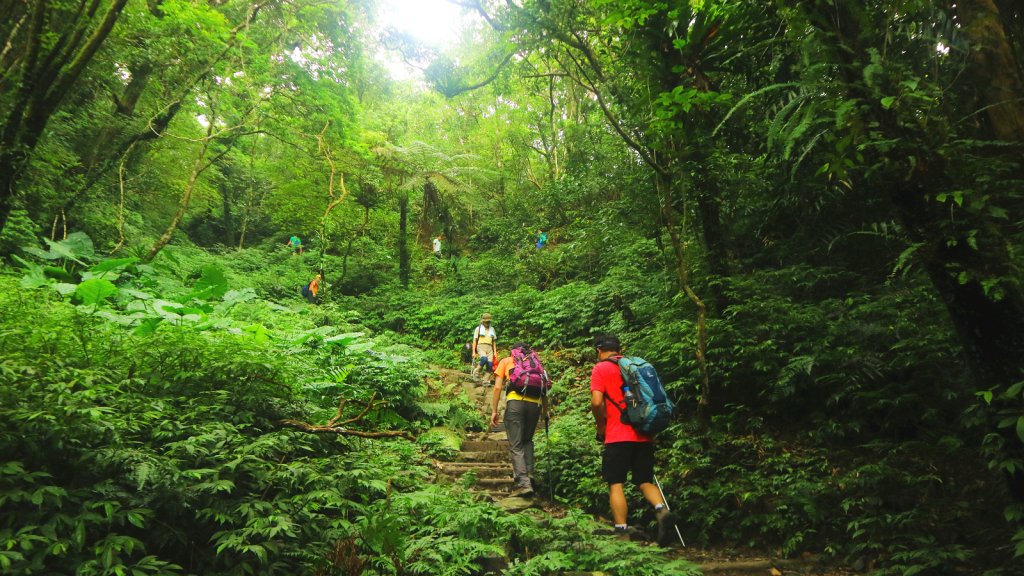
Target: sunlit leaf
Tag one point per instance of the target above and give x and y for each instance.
(92, 292)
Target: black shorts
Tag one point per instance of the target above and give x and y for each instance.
(622, 457)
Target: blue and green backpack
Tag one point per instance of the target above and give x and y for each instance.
(650, 410)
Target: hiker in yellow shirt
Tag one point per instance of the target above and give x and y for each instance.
(522, 409)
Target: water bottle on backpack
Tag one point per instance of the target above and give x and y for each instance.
(629, 396)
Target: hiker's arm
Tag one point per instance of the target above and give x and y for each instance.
(499, 383)
(597, 408)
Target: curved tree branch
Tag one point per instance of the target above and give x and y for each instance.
(306, 427)
(335, 427)
(450, 92)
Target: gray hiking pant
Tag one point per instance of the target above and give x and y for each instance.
(520, 423)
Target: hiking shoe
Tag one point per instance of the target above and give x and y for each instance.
(666, 527)
(626, 534)
(522, 492)
(523, 488)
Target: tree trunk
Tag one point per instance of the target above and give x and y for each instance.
(430, 211)
(124, 109)
(665, 192)
(197, 168)
(715, 242)
(43, 88)
(250, 194)
(227, 217)
(332, 201)
(994, 69)
(990, 327)
(245, 228)
(351, 240)
(403, 242)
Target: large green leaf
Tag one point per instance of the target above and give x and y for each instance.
(175, 312)
(34, 276)
(104, 268)
(76, 247)
(212, 284)
(148, 326)
(233, 297)
(257, 332)
(92, 292)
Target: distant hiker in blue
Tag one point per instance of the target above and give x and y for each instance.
(542, 238)
(295, 243)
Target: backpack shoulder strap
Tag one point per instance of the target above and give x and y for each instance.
(615, 360)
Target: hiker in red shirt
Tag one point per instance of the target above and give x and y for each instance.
(626, 451)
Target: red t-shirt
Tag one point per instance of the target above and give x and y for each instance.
(605, 377)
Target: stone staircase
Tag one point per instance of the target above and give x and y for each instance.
(484, 457)
(487, 460)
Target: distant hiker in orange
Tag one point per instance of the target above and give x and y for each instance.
(310, 290)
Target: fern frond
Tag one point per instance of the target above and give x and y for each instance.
(749, 97)
(775, 130)
(806, 150)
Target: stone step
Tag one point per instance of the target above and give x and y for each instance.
(497, 433)
(482, 470)
(496, 484)
(482, 456)
(485, 446)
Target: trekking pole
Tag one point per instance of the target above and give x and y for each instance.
(665, 501)
(547, 439)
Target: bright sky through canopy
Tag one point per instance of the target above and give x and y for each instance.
(434, 22)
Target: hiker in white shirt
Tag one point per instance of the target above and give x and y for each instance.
(485, 347)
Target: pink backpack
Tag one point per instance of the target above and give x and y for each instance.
(527, 376)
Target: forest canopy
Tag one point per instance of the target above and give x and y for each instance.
(807, 215)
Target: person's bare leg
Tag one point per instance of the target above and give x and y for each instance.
(666, 520)
(617, 501)
(651, 493)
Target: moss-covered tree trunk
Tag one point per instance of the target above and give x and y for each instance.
(994, 68)
(47, 70)
(403, 241)
(967, 257)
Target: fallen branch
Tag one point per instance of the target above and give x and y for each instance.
(336, 426)
(760, 566)
(317, 429)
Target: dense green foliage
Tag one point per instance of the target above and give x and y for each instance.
(161, 450)
(807, 215)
